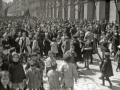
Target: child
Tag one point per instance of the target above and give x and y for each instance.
(117, 58)
(42, 67)
(69, 73)
(33, 58)
(72, 53)
(17, 73)
(35, 45)
(5, 81)
(49, 61)
(106, 69)
(53, 78)
(33, 76)
(54, 46)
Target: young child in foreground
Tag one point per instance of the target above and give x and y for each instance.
(33, 76)
(69, 73)
(49, 61)
(53, 78)
(5, 81)
(17, 73)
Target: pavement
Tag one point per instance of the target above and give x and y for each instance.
(89, 79)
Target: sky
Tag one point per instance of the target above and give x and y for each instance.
(7, 1)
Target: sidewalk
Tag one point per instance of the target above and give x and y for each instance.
(84, 83)
(94, 74)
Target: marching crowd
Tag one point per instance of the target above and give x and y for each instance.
(38, 45)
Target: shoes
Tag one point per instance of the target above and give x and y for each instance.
(85, 66)
(116, 70)
(91, 62)
(88, 68)
(111, 85)
(103, 84)
(100, 77)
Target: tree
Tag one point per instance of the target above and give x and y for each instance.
(81, 5)
(7, 6)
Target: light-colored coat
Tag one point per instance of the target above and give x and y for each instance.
(54, 47)
(35, 45)
(53, 80)
(27, 41)
(69, 72)
(34, 79)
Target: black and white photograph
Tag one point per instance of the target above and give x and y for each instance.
(59, 44)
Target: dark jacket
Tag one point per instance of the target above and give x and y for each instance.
(106, 68)
(17, 72)
(6, 43)
(4, 66)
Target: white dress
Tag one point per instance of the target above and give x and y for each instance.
(54, 47)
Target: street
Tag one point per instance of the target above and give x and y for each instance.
(89, 79)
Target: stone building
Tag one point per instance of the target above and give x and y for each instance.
(69, 9)
(82, 9)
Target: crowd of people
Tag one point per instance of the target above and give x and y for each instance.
(38, 45)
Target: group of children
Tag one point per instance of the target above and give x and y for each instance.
(15, 75)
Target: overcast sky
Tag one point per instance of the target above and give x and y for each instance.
(7, 1)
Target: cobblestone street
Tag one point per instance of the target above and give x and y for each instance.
(84, 83)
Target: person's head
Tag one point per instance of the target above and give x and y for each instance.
(5, 35)
(38, 54)
(66, 38)
(119, 47)
(30, 35)
(67, 57)
(54, 66)
(4, 78)
(19, 33)
(107, 54)
(54, 39)
(24, 34)
(35, 37)
(105, 44)
(13, 32)
(64, 34)
(32, 64)
(75, 37)
(50, 54)
(34, 56)
(72, 47)
(115, 34)
(15, 57)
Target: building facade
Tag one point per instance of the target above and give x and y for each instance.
(68, 9)
(82, 9)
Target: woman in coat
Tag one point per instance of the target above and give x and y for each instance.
(106, 69)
